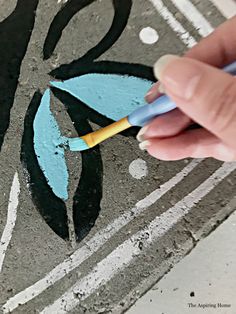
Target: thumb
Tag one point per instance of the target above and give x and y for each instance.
(204, 93)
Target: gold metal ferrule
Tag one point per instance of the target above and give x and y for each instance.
(94, 138)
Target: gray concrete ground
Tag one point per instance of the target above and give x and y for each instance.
(204, 281)
(144, 226)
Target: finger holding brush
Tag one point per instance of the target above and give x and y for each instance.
(163, 107)
(203, 94)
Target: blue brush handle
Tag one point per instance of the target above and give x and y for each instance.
(161, 105)
(144, 114)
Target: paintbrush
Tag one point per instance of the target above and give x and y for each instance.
(140, 117)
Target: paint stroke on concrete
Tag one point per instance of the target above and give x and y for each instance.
(77, 144)
(148, 35)
(138, 168)
(95, 243)
(114, 96)
(48, 148)
(11, 218)
(184, 35)
(128, 250)
(226, 7)
(192, 14)
(113, 102)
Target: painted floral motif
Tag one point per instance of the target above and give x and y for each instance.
(82, 88)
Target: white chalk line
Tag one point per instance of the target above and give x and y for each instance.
(226, 7)
(95, 243)
(181, 32)
(11, 218)
(193, 15)
(123, 255)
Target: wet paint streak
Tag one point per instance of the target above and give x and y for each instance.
(51, 207)
(114, 96)
(125, 94)
(48, 144)
(77, 144)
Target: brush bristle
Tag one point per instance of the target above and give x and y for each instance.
(77, 144)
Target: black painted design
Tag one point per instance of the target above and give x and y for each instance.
(122, 11)
(60, 21)
(15, 33)
(86, 201)
(52, 209)
(88, 195)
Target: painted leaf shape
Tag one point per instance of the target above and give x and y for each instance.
(114, 96)
(48, 148)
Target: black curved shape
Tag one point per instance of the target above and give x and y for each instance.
(88, 195)
(67, 71)
(85, 111)
(105, 67)
(51, 208)
(122, 12)
(59, 22)
(15, 33)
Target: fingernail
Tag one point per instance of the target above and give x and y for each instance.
(161, 88)
(162, 63)
(144, 145)
(140, 135)
(151, 94)
(180, 76)
(154, 92)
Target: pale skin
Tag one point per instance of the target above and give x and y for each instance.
(204, 94)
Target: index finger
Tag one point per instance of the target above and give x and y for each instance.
(219, 48)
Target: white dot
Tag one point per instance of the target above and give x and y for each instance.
(148, 35)
(138, 169)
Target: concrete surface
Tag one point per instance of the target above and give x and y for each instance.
(203, 282)
(143, 226)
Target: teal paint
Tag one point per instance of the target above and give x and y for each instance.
(114, 96)
(50, 155)
(77, 144)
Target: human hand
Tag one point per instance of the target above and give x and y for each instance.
(203, 95)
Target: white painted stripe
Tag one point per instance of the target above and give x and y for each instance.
(121, 257)
(95, 243)
(203, 27)
(226, 7)
(11, 218)
(187, 39)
